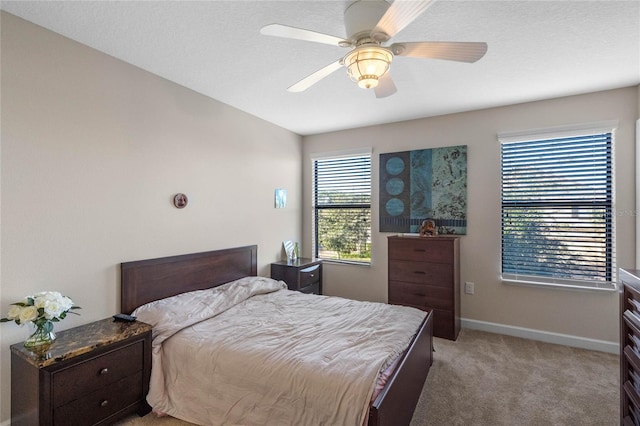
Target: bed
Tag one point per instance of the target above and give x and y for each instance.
(151, 280)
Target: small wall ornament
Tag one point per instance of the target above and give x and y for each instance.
(180, 200)
(280, 198)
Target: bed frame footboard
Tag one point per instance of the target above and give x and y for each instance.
(397, 401)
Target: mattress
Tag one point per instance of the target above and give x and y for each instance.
(252, 352)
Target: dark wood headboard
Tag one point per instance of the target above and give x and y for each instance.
(144, 281)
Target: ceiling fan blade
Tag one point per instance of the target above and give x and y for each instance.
(400, 14)
(286, 31)
(386, 86)
(312, 79)
(447, 50)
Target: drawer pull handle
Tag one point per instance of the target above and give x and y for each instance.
(419, 272)
(311, 275)
(104, 371)
(420, 250)
(104, 403)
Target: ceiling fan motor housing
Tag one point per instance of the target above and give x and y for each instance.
(362, 16)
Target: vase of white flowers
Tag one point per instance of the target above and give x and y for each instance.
(40, 311)
(41, 337)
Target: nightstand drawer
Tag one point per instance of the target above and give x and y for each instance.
(311, 289)
(81, 379)
(309, 275)
(100, 404)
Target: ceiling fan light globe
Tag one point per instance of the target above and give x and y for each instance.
(365, 65)
(368, 82)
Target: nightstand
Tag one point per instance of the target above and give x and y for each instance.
(91, 375)
(304, 275)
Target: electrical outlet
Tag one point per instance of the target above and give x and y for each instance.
(469, 287)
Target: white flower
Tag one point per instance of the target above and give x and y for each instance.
(39, 302)
(40, 299)
(28, 313)
(52, 303)
(53, 310)
(66, 303)
(14, 312)
(40, 308)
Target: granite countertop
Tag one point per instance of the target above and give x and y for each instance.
(80, 340)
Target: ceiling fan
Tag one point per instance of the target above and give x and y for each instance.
(370, 24)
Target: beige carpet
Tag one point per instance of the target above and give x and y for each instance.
(491, 379)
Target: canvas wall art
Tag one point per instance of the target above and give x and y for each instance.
(424, 184)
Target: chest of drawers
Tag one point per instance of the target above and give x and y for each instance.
(91, 375)
(303, 275)
(629, 347)
(424, 272)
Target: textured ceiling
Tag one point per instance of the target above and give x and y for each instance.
(537, 50)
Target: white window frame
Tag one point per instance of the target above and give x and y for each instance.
(334, 156)
(557, 133)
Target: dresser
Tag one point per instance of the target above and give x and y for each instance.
(302, 274)
(91, 375)
(424, 272)
(629, 289)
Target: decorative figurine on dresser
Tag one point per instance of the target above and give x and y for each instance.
(94, 374)
(424, 272)
(304, 275)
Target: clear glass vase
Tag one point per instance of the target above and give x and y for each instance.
(41, 338)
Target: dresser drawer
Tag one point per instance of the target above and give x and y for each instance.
(309, 275)
(436, 274)
(421, 249)
(448, 324)
(80, 379)
(634, 379)
(101, 403)
(402, 293)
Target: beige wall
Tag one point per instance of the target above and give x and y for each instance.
(585, 314)
(93, 150)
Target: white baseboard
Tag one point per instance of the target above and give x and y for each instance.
(542, 336)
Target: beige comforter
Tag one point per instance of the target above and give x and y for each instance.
(253, 353)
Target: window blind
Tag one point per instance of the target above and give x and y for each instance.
(342, 208)
(557, 221)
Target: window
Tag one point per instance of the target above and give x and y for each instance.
(557, 199)
(342, 208)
